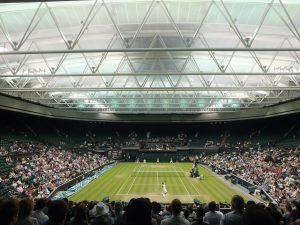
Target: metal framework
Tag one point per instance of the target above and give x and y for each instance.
(151, 56)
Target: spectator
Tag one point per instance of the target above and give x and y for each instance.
(176, 218)
(46, 168)
(80, 217)
(100, 212)
(119, 213)
(156, 209)
(200, 212)
(186, 214)
(295, 215)
(213, 217)
(57, 212)
(254, 215)
(40, 204)
(138, 212)
(25, 212)
(9, 210)
(274, 171)
(235, 217)
(275, 213)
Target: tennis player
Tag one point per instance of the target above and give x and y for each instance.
(164, 189)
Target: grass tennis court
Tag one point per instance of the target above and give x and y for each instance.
(129, 180)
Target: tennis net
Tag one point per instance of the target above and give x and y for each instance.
(158, 174)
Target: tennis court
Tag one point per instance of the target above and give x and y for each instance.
(131, 180)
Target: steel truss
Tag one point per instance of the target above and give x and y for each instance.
(157, 65)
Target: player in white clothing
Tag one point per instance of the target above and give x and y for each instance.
(164, 189)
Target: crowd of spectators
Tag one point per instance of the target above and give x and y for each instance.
(93, 142)
(277, 171)
(157, 142)
(133, 140)
(20, 148)
(141, 211)
(39, 173)
(108, 143)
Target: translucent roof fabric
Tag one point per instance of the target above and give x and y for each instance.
(151, 56)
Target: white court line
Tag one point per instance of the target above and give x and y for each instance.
(125, 182)
(157, 195)
(191, 183)
(133, 181)
(153, 185)
(158, 183)
(183, 184)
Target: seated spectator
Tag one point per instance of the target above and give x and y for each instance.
(9, 210)
(39, 173)
(176, 218)
(275, 213)
(25, 212)
(40, 204)
(235, 217)
(138, 212)
(119, 213)
(295, 214)
(57, 212)
(100, 212)
(200, 212)
(255, 215)
(156, 209)
(212, 217)
(80, 217)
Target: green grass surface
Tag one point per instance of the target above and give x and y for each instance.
(131, 180)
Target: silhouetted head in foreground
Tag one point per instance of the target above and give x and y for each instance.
(138, 212)
(176, 207)
(9, 210)
(255, 215)
(57, 212)
(237, 203)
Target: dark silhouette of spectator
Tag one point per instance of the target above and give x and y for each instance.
(213, 217)
(176, 218)
(200, 212)
(254, 215)
(57, 212)
(250, 203)
(9, 210)
(156, 209)
(25, 211)
(235, 217)
(38, 213)
(119, 213)
(275, 213)
(287, 214)
(138, 212)
(80, 217)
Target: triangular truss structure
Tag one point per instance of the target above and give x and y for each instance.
(151, 56)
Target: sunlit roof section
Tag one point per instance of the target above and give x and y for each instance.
(191, 56)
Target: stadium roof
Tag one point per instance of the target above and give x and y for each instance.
(160, 56)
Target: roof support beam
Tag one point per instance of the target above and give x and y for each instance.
(155, 97)
(151, 74)
(159, 89)
(72, 51)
